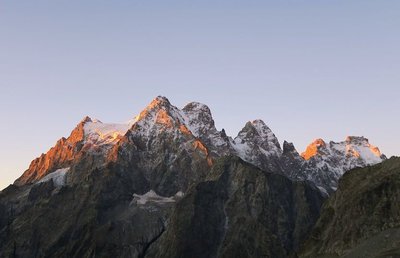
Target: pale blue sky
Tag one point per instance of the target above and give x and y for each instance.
(308, 68)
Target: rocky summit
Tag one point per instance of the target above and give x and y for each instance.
(168, 183)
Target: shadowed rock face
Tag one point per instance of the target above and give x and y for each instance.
(237, 208)
(362, 219)
(96, 218)
(240, 211)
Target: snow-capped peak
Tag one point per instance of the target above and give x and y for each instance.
(259, 134)
(328, 162)
(199, 119)
(353, 147)
(257, 144)
(159, 114)
(265, 132)
(360, 147)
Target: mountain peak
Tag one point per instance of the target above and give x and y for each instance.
(313, 149)
(199, 118)
(356, 140)
(156, 105)
(262, 129)
(258, 122)
(359, 146)
(319, 142)
(86, 119)
(257, 128)
(288, 147)
(339, 157)
(197, 106)
(256, 143)
(159, 101)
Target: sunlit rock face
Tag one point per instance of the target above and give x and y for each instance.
(63, 154)
(315, 148)
(327, 162)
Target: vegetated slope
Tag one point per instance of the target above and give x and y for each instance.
(362, 219)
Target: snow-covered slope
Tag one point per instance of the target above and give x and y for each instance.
(58, 177)
(257, 144)
(199, 120)
(98, 133)
(326, 163)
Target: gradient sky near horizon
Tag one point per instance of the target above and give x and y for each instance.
(309, 68)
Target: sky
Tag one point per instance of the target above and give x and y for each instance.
(308, 68)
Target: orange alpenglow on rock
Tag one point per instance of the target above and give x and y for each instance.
(313, 149)
(184, 130)
(199, 145)
(164, 119)
(159, 101)
(375, 150)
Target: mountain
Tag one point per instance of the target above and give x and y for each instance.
(123, 190)
(193, 126)
(326, 163)
(362, 218)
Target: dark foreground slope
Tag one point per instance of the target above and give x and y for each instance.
(362, 219)
(94, 218)
(240, 211)
(237, 211)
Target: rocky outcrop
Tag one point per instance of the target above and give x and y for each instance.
(240, 211)
(362, 219)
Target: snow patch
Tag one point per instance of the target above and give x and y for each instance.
(323, 190)
(153, 197)
(59, 177)
(99, 133)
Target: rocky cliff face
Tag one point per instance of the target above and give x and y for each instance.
(63, 154)
(362, 219)
(240, 211)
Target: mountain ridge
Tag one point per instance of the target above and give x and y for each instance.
(255, 143)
